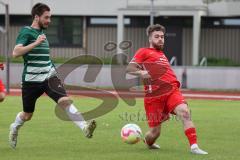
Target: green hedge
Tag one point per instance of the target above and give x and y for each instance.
(87, 60)
(221, 62)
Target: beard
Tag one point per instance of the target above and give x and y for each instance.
(158, 46)
(42, 26)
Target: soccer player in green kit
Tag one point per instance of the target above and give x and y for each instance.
(39, 70)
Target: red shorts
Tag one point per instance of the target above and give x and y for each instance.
(158, 108)
(2, 88)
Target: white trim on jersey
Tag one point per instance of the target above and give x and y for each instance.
(40, 77)
(31, 54)
(38, 69)
(39, 62)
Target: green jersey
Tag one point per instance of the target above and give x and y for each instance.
(37, 63)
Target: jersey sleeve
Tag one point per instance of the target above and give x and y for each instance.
(22, 38)
(139, 57)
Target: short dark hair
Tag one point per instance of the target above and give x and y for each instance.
(155, 27)
(39, 9)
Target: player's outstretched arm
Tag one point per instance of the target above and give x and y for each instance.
(20, 50)
(133, 69)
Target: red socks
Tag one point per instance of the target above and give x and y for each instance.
(191, 135)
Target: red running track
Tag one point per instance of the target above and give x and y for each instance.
(189, 94)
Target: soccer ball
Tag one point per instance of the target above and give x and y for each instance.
(131, 133)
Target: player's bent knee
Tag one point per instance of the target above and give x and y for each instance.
(185, 114)
(64, 102)
(26, 116)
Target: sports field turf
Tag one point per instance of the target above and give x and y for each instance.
(46, 137)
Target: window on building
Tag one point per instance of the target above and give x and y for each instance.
(221, 22)
(103, 21)
(65, 32)
(231, 22)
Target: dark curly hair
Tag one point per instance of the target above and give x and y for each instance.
(155, 27)
(39, 9)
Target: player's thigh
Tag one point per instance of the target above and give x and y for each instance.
(55, 89)
(174, 100)
(154, 112)
(182, 110)
(30, 93)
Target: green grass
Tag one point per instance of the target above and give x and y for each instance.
(46, 137)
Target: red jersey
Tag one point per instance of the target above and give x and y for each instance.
(156, 63)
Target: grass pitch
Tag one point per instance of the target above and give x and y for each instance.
(46, 137)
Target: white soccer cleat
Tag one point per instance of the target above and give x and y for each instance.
(153, 146)
(196, 150)
(89, 128)
(13, 133)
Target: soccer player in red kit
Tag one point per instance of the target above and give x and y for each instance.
(2, 93)
(162, 90)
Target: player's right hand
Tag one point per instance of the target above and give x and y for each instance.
(144, 74)
(41, 38)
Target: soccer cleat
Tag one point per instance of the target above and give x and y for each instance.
(153, 146)
(89, 128)
(196, 150)
(13, 136)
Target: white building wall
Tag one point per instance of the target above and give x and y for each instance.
(68, 7)
(224, 8)
(197, 77)
(110, 7)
